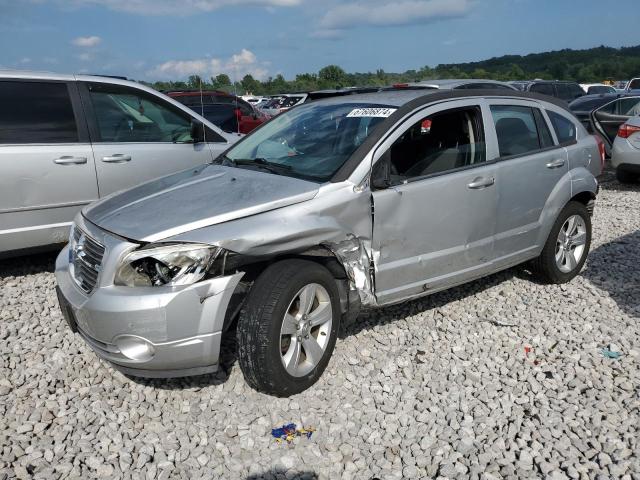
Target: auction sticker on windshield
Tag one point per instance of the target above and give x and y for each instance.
(371, 112)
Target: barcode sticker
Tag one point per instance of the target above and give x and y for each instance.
(371, 112)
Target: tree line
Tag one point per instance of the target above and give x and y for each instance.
(585, 66)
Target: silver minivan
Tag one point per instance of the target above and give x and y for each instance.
(68, 140)
(337, 205)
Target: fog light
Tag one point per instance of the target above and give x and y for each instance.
(135, 348)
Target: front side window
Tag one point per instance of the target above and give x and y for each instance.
(634, 84)
(311, 141)
(516, 129)
(36, 112)
(565, 129)
(126, 115)
(438, 143)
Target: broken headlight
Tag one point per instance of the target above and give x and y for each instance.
(181, 264)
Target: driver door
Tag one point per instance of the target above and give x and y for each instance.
(434, 201)
(137, 137)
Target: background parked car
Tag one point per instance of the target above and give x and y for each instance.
(567, 91)
(626, 151)
(230, 113)
(282, 103)
(68, 140)
(603, 115)
(596, 88)
(633, 86)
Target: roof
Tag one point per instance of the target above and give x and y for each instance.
(455, 82)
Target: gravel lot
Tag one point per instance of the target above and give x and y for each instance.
(439, 387)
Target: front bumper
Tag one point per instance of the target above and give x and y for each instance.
(149, 331)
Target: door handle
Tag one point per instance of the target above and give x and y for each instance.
(117, 158)
(556, 163)
(69, 160)
(481, 182)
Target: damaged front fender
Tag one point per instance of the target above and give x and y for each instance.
(338, 218)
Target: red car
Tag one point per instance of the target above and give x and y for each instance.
(228, 112)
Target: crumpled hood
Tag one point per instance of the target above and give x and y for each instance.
(195, 198)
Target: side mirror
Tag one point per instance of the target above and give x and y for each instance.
(197, 131)
(381, 172)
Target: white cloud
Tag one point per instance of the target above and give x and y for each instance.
(87, 42)
(390, 12)
(237, 66)
(181, 7)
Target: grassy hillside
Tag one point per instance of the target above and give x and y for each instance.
(590, 65)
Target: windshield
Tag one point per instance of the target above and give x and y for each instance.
(311, 141)
(600, 89)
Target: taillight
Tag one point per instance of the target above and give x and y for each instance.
(602, 151)
(400, 85)
(627, 130)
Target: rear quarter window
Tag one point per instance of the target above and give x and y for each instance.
(565, 129)
(36, 112)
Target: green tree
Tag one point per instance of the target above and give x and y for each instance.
(332, 76)
(194, 81)
(221, 81)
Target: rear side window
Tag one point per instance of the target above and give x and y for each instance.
(634, 84)
(543, 88)
(565, 129)
(36, 112)
(516, 129)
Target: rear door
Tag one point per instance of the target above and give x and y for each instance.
(608, 118)
(47, 171)
(530, 166)
(137, 136)
(434, 222)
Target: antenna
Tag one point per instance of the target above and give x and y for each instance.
(202, 106)
(235, 93)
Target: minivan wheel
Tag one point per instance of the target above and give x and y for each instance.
(567, 247)
(288, 328)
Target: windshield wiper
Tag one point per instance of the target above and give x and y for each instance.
(272, 167)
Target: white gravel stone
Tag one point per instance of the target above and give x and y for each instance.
(440, 386)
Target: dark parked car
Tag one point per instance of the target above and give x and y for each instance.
(603, 115)
(567, 91)
(230, 113)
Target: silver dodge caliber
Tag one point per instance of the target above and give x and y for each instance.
(341, 204)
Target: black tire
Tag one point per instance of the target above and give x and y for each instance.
(625, 177)
(260, 322)
(545, 266)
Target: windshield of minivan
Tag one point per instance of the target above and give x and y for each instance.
(311, 141)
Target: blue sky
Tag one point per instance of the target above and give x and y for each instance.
(170, 39)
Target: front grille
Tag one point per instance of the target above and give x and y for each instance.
(86, 258)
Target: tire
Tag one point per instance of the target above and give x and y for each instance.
(624, 176)
(546, 266)
(263, 347)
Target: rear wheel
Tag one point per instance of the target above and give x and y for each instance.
(566, 249)
(625, 177)
(288, 328)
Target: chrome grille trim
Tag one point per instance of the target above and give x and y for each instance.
(86, 258)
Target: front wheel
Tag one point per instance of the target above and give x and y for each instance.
(567, 246)
(288, 327)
